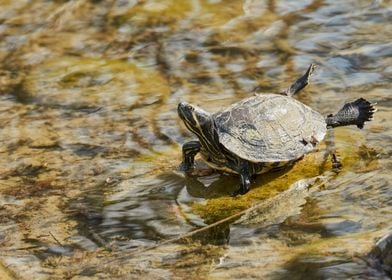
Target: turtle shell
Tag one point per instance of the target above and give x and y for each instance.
(269, 128)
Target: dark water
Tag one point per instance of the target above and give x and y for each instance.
(90, 137)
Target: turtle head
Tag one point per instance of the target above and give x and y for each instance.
(196, 119)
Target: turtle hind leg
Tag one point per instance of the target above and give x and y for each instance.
(302, 82)
(353, 113)
(331, 150)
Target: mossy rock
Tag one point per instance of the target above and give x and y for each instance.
(270, 184)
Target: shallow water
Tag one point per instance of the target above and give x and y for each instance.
(90, 138)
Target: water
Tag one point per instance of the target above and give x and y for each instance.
(90, 138)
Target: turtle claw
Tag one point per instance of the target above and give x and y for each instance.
(240, 191)
(336, 164)
(184, 167)
(236, 193)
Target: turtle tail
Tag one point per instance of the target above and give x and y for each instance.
(353, 113)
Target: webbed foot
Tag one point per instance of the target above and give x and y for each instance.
(353, 113)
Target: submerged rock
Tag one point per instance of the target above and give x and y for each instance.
(381, 254)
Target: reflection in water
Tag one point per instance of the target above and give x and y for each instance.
(90, 139)
(213, 186)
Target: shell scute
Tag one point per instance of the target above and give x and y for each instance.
(269, 128)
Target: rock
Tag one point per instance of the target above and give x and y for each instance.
(381, 254)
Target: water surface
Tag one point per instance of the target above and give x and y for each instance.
(90, 138)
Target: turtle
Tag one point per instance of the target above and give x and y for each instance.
(264, 132)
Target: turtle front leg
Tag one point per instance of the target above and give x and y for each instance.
(189, 151)
(302, 82)
(244, 184)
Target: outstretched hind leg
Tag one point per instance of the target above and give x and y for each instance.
(302, 82)
(353, 113)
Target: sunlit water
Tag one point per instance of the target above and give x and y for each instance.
(90, 137)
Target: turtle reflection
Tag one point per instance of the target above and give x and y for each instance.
(212, 186)
(224, 184)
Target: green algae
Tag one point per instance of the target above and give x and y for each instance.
(154, 13)
(216, 14)
(169, 12)
(90, 79)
